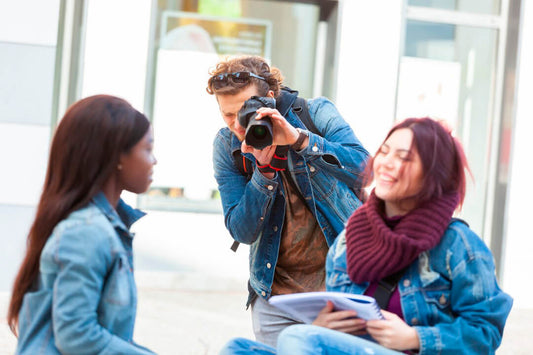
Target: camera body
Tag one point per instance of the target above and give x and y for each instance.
(259, 133)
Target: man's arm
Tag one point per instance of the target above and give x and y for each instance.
(247, 204)
(338, 151)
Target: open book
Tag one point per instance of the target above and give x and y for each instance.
(306, 306)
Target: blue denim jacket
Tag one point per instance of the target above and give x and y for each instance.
(86, 298)
(449, 294)
(325, 171)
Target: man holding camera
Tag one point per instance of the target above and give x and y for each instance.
(295, 189)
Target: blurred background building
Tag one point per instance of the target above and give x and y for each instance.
(469, 62)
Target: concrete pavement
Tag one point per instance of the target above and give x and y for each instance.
(192, 290)
(192, 318)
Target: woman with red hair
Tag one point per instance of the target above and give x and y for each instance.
(442, 296)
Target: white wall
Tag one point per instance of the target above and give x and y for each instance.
(116, 48)
(28, 36)
(369, 53)
(519, 233)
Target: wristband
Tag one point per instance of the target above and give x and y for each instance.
(265, 168)
(278, 163)
(302, 134)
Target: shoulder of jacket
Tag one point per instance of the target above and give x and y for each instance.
(89, 219)
(223, 136)
(459, 237)
(317, 103)
(223, 133)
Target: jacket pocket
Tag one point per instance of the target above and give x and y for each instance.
(118, 287)
(437, 298)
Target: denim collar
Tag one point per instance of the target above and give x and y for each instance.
(123, 217)
(285, 100)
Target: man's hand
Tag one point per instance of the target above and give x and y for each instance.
(284, 133)
(262, 157)
(343, 321)
(393, 332)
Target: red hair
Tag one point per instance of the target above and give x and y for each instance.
(443, 159)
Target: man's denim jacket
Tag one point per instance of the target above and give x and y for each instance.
(326, 172)
(449, 294)
(86, 299)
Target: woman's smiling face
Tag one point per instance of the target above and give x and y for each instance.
(398, 173)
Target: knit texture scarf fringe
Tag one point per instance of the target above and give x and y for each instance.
(374, 251)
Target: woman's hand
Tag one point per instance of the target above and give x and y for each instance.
(343, 321)
(393, 332)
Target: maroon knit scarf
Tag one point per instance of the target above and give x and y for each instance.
(374, 251)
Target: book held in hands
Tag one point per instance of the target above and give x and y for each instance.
(306, 306)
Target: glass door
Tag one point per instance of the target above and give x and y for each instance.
(458, 64)
(448, 72)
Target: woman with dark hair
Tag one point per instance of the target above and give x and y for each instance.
(75, 292)
(443, 296)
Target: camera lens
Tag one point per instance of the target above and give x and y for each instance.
(259, 132)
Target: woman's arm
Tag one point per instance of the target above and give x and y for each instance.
(478, 306)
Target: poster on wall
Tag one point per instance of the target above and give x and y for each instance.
(186, 118)
(221, 35)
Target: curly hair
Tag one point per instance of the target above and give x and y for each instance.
(253, 64)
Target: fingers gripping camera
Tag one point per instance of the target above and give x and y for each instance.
(259, 133)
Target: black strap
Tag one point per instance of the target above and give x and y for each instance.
(459, 220)
(245, 165)
(386, 288)
(300, 108)
(235, 245)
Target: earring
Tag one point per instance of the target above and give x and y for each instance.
(119, 166)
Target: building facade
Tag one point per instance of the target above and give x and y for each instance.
(467, 62)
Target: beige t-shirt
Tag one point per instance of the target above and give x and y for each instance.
(303, 248)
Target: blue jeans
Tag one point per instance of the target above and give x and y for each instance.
(242, 346)
(303, 339)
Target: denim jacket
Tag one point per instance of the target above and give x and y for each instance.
(85, 301)
(325, 173)
(449, 294)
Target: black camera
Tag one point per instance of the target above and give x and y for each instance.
(259, 133)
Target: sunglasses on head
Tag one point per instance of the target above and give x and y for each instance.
(240, 77)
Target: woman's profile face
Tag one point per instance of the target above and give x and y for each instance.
(137, 165)
(398, 173)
